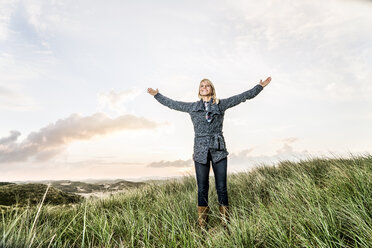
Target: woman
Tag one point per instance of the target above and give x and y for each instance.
(209, 144)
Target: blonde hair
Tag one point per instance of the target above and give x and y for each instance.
(215, 99)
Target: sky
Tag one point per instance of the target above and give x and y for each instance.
(74, 78)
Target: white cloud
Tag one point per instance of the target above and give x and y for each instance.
(114, 100)
(175, 163)
(54, 138)
(244, 160)
(13, 99)
(6, 10)
(287, 148)
(309, 44)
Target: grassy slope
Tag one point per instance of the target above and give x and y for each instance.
(317, 203)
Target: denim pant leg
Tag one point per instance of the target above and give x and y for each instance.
(202, 178)
(220, 175)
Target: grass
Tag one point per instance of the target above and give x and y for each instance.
(311, 203)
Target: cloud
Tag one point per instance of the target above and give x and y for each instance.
(114, 100)
(6, 10)
(13, 99)
(11, 138)
(52, 139)
(175, 163)
(4, 91)
(245, 152)
(326, 45)
(245, 160)
(287, 148)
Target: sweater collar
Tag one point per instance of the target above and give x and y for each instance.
(199, 106)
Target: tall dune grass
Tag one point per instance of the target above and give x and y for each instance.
(311, 203)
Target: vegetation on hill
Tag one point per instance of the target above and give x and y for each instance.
(82, 187)
(5, 183)
(312, 203)
(23, 194)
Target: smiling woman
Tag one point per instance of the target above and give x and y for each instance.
(207, 116)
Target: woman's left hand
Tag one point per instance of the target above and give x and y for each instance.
(266, 82)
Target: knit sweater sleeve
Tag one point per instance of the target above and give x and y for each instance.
(173, 104)
(242, 97)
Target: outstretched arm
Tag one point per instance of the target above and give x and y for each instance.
(242, 97)
(176, 105)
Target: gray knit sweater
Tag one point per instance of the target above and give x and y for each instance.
(208, 135)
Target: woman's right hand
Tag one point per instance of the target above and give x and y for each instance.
(266, 82)
(152, 92)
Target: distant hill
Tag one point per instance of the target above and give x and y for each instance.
(5, 183)
(33, 193)
(81, 187)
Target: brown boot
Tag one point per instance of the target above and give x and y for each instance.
(203, 216)
(225, 215)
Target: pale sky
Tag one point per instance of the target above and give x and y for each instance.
(74, 78)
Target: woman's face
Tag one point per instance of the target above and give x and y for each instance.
(205, 89)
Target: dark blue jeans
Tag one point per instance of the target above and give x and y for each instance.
(202, 178)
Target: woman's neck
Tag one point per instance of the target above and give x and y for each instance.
(206, 98)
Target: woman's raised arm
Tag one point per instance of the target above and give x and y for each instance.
(170, 103)
(242, 97)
